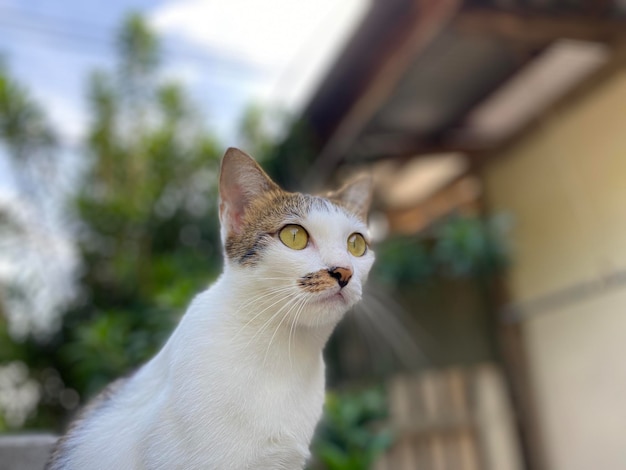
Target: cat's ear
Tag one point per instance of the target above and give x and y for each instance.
(242, 181)
(356, 195)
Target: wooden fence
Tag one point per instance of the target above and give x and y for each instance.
(453, 419)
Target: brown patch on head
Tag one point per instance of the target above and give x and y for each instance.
(262, 220)
(318, 281)
(253, 208)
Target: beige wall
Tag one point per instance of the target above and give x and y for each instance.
(579, 360)
(566, 186)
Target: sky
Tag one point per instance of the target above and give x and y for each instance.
(229, 53)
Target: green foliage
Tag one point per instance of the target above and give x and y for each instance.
(147, 211)
(403, 260)
(24, 128)
(147, 223)
(138, 49)
(351, 436)
(255, 132)
(457, 247)
(290, 162)
(29, 143)
(471, 246)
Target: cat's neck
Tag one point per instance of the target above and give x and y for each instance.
(259, 325)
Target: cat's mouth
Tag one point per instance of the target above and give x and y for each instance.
(332, 296)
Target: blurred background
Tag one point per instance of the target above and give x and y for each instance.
(491, 333)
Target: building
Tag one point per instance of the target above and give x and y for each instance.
(516, 106)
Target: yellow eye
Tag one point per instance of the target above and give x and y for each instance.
(294, 236)
(357, 245)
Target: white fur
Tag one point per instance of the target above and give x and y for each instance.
(240, 383)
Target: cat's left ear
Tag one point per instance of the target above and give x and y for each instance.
(242, 181)
(356, 195)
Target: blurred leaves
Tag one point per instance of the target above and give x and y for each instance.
(469, 246)
(139, 50)
(146, 221)
(24, 128)
(351, 435)
(403, 260)
(148, 228)
(457, 247)
(30, 279)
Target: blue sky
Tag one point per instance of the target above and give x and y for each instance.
(229, 53)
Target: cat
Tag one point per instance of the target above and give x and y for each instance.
(240, 382)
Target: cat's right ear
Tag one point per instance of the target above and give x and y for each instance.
(242, 181)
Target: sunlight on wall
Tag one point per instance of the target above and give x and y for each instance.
(566, 185)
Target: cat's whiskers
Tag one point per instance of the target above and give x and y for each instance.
(255, 300)
(272, 295)
(368, 331)
(271, 292)
(294, 319)
(294, 322)
(294, 298)
(298, 301)
(388, 320)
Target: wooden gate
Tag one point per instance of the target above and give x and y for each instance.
(453, 419)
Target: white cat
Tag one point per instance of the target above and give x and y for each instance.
(240, 383)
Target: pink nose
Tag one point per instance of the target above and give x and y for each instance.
(343, 275)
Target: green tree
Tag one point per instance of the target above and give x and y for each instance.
(148, 233)
(28, 144)
(146, 225)
(259, 131)
(25, 132)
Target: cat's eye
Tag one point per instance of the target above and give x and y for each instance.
(294, 236)
(357, 245)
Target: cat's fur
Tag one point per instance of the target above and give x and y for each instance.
(240, 383)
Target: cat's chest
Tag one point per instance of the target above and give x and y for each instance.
(277, 390)
(276, 402)
(251, 416)
(230, 400)
(288, 402)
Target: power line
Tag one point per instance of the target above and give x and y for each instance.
(63, 35)
(70, 33)
(46, 17)
(52, 29)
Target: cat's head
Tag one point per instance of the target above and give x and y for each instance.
(308, 254)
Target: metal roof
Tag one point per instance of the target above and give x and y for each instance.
(415, 70)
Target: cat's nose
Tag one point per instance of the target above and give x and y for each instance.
(343, 275)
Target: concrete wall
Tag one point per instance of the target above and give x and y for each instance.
(26, 451)
(565, 184)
